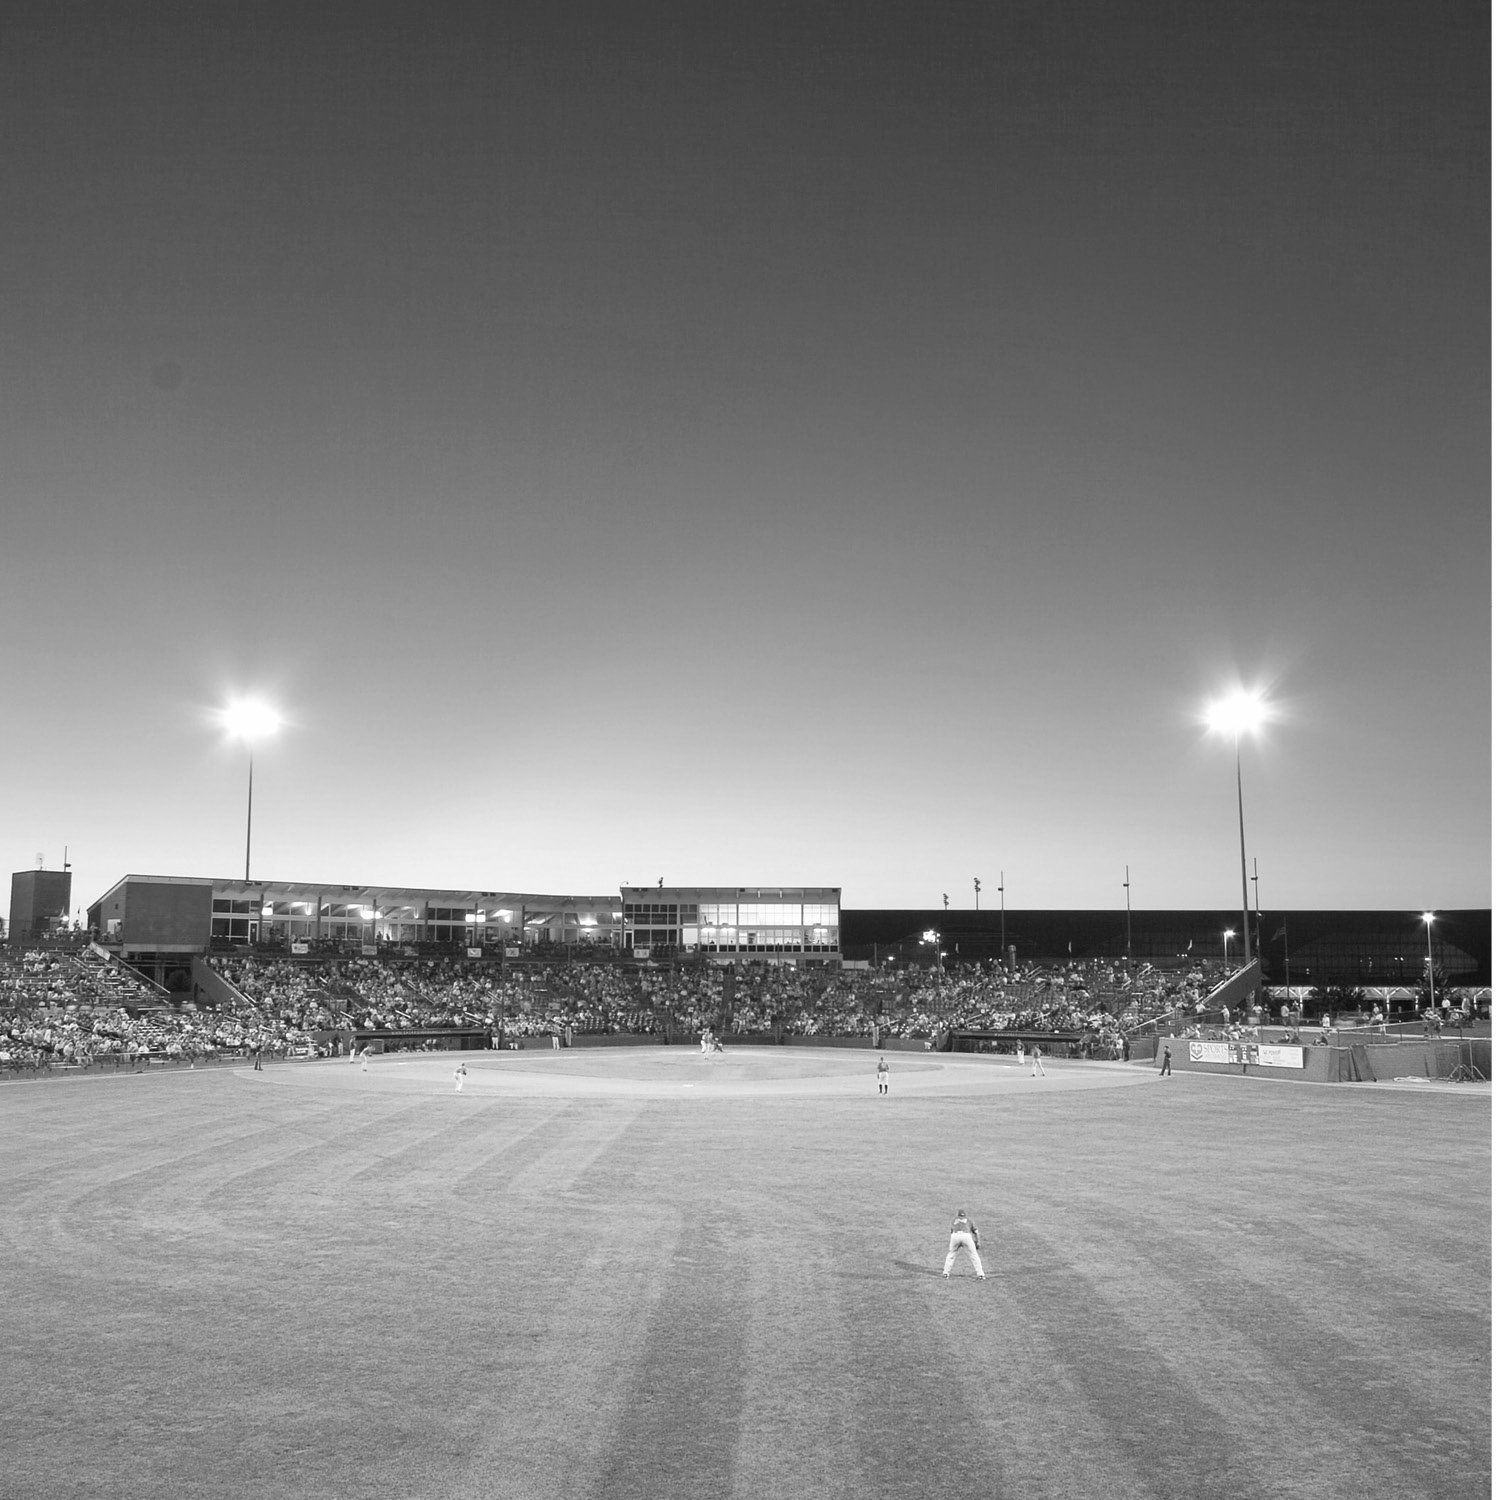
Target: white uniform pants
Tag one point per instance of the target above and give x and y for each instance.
(961, 1239)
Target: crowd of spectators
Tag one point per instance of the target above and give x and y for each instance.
(82, 1008)
(1094, 1001)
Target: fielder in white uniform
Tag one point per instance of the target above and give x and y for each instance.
(963, 1236)
(459, 1074)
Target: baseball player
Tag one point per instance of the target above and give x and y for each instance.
(459, 1074)
(883, 1076)
(964, 1235)
(1037, 1070)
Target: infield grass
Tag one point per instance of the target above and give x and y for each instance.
(233, 1285)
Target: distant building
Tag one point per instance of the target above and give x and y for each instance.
(40, 901)
(733, 924)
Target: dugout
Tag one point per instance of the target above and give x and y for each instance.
(448, 1039)
(1052, 1043)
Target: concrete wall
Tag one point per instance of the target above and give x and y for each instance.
(211, 988)
(1358, 1062)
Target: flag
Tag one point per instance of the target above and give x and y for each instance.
(1279, 933)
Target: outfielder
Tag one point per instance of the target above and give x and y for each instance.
(459, 1074)
(963, 1236)
(883, 1076)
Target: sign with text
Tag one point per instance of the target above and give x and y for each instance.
(1243, 1054)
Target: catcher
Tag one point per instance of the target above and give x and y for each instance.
(964, 1235)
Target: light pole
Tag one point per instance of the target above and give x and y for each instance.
(935, 938)
(1127, 919)
(1228, 933)
(1236, 715)
(248, 719)
(1004, 951)
(1428, 918)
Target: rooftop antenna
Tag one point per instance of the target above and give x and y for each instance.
(41, 861)
(66, 865)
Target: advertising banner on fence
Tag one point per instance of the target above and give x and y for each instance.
(1243, 1054)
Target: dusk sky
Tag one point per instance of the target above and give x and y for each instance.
(751, 444)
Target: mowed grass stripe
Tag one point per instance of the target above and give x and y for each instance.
(486, 1311)
(573, 1310)
(574, 1144)
(1041, 1431)
(1280, 1292)
(798, 1435)
(1165, 1363)
(678, 1433)
(46, 1123)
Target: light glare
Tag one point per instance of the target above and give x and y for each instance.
(1237, 713)
(250, 719)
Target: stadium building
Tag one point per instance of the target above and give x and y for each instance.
(158, 922)
(729, 924)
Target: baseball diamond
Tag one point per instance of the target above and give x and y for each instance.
(642, 1272)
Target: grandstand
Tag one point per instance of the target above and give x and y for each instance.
(187, 967)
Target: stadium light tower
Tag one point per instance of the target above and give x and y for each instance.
(931, 935)
(1238, 714)
(1428, 918)
(248, 720)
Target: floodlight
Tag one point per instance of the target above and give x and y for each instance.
(250, 719)
(1237, 713)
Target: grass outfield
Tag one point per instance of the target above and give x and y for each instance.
(641, 1273)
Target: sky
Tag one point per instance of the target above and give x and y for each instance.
(785, 444)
